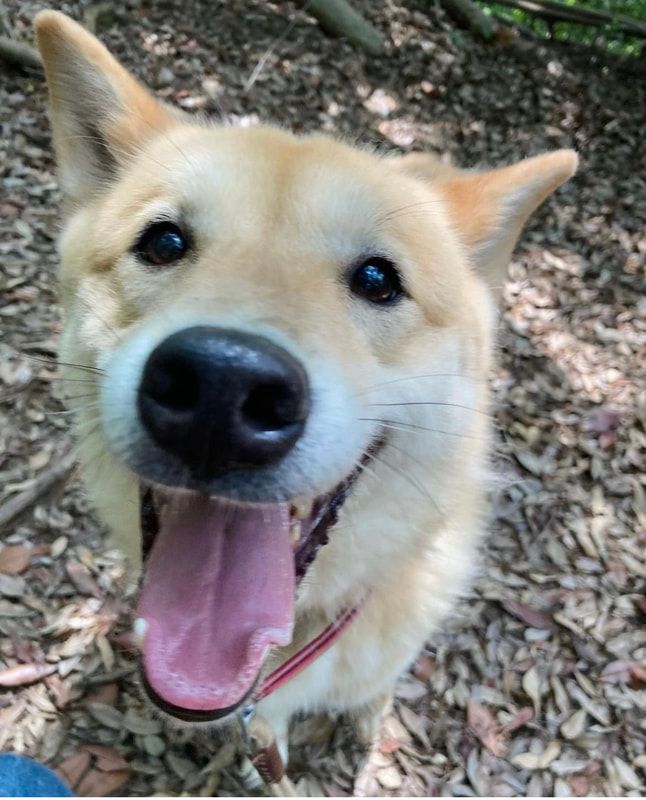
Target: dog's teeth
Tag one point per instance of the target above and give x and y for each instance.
(295, 533)
(139, 629)
(302, 509)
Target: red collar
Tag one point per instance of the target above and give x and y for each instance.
(312, 650)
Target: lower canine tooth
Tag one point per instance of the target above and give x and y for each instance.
(295, 533)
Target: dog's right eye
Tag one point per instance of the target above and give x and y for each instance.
(161, 243)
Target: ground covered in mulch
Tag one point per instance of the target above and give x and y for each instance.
(537, 687)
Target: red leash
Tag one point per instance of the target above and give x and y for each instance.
(307, 654)
(263, 749)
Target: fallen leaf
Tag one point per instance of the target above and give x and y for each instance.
(82, 579)
(574, 725)
(389, 777)
(12, 586)
(626, 774)
(531, 686)
(524, 715)
(72, 769)
(15, 559)
(423, 668)
(25, 673)
(40, 459)
(101, 784)
(530, 616)
(141, 725)
(623, 672)
(106, 695)
(108, 759)
(485, 727)
(106, 715)
(580, 785)
(59, 689)
(603, 420)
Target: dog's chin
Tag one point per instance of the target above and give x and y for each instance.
(219, 588)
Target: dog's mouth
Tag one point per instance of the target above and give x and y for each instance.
(219, 590)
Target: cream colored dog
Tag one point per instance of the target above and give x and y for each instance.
(287, 341)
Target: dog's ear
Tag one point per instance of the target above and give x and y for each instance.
(490, 208)
(100, 114)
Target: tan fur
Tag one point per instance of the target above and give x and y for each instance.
(279, 219)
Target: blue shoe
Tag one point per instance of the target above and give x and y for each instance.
(23, 777)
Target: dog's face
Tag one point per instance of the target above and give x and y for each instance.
(279, 325)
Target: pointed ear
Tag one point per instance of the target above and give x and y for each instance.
(100, 114)
(490, 208)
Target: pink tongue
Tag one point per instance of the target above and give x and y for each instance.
(218, 592)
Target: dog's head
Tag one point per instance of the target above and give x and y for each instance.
(275, 325)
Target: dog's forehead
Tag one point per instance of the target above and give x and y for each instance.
(266, 174)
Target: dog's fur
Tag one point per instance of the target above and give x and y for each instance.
(279, 219)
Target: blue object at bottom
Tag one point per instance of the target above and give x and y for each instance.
(23, 777)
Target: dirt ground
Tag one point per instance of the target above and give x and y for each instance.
(537, 686)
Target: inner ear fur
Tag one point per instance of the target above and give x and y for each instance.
(489, 208)
(101, 115)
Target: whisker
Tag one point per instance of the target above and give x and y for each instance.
(81, 396)
(55, 363)
(88, 381)
(435, 403)
(420, 487)
(410, 427)
(416, 377)
(70, 411)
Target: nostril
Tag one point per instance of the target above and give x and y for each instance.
(272, 406)
(172, 383)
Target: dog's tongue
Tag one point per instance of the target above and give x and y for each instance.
(218, 591)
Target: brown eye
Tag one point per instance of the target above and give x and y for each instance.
(162, 243)
(377, 281)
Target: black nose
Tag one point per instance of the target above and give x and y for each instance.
(223, 399)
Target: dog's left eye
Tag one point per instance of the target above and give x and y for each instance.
(377, 280)
(162, 243)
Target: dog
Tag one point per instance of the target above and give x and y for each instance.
(285, 342)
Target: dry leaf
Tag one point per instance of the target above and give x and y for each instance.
(39, 459)
(15, 559)
(141, 725)
(580, 785)
(574, 725)
(59, 689)
(531, 616)
(106, 715)
(12, 586)
(484, 725)
(106, 695)
(73, 768)
(101, 784)
(523, 716)
(25, 673)
(82, 579)
(623, 672)
(532, 687)
(108, 759)
(423, 668)
(389, 777)
(626, 774)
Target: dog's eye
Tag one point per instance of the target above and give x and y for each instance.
(377, 280)
(161, 243)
